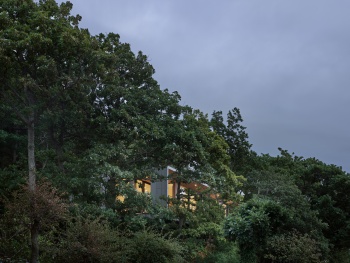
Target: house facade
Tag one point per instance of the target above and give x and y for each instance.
(167, 187)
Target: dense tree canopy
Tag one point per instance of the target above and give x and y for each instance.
(314, 203)
(82, 117)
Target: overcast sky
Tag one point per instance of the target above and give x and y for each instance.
(285, 64)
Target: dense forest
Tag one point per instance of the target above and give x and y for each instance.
(82, 117)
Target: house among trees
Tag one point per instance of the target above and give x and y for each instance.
(167, 187)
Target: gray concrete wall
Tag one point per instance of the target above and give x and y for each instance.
(160, 188)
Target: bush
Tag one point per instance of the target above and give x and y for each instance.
(93, 240)
(226, 252)
(87, 240)
(293, 247)
(149, 247)
(44, 205)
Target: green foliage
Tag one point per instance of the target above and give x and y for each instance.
(293, 247)
(311, 193)
(235, 136)
(327, 188)
(93, 240)
(151, 247)
(315, 193)
(13, 177)
(44, 207)
(101, 121)
(135, 201)
(225, 252)
(87, 240)
(252, 223)
(94, 212)
(260, 226)
(13, 241)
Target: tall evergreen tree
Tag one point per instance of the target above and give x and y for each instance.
(235, 136)
(43, 54)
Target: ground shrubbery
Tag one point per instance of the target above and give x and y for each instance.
(76, 238)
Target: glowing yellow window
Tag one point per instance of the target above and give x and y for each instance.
(171, 190)
(147, 187)
(139, 186)
(142, 186)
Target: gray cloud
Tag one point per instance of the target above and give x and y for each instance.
(283, 63)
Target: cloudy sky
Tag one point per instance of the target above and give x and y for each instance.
(285, 64)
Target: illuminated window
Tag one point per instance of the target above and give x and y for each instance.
(147, 187)
(143, 186)
(139, 186)
(170, 189)
(121, 198)
(188, 197)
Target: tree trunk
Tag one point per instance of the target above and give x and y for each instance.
(182, 217)
(34, 234)
(182, 220)
(178, 191)
(31, 154)
(34, 229)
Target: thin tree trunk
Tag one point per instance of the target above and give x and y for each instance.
(14, 152)
(31, 153)
(178, 192)
(34, 229)
(182, 220)
(34, 234)
(182, 217)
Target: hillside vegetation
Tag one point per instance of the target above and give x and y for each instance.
(82, 116)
